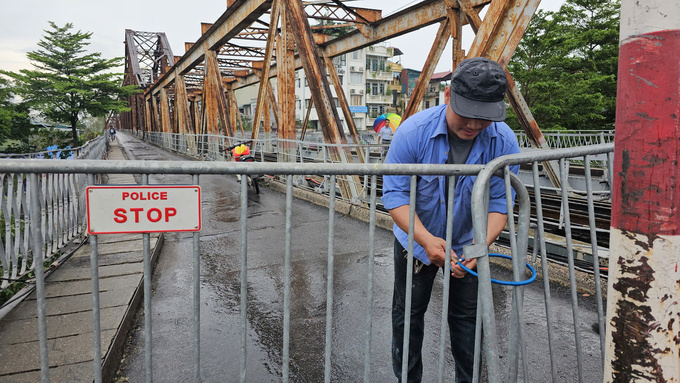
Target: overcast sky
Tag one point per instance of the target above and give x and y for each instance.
(22, 25)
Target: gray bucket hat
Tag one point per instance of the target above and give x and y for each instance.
(477, 89)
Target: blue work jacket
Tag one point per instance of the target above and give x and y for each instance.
(422, 139)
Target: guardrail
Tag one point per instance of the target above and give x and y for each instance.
(519, 240)
(314, 150)
(60, 205)
(559, 139)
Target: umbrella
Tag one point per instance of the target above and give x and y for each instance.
(379, 122)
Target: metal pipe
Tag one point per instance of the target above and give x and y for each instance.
(596, 257)
(287, 279)
(369, 288)
(329, 285)
(197, 298)
(39, 280)
(244, 275)
(572, 275)
(447, 277)
(544, 267)
(184, 167)
(148, 348)
(96, 321)
(514, 344)
(409, 279)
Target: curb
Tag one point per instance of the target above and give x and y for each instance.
(114, 354)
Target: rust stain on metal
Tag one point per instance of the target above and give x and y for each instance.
(632, 324)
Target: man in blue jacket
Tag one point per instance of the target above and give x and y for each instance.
(467, 129)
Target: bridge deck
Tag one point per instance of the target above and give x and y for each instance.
(68, 293)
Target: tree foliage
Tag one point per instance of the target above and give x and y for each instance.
(333, 29)
(14, 123)
(68, 83)
(565, 66)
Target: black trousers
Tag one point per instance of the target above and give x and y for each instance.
(462, 315)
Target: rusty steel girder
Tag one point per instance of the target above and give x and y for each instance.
(241, 48)
(147, 55)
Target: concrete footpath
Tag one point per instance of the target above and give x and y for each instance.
(68, 303)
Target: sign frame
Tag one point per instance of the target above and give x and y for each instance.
(161, 198)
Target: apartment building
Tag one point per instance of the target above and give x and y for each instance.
(370, 80)
(367, 77)
(434, 93)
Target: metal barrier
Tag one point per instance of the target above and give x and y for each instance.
(314, 150)
(60, 205)
(212, 148)
(288, 171)
(480, 202)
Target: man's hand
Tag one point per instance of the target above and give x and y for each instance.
(457, 271)
(435, 250)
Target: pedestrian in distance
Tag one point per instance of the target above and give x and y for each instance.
(112, 133)
(385, 134)
(467, 129)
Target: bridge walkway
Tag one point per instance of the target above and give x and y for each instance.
(68, 293)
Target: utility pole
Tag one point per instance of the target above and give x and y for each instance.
(643, 308)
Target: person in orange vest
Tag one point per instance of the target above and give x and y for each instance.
(241, 150)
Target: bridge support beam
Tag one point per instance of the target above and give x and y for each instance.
(183, 123)
(264, 72)
(497, 39)
(215, 100)
(643, 305)
(285, 59)
(321, 93)
(430, 64)
(344, 105)
(166, 124)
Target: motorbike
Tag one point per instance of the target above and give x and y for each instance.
(245, 157)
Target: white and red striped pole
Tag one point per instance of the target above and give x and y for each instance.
(643, 308)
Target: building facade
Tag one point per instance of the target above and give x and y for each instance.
(367, 77)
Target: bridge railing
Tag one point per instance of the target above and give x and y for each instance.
(517, 345)
(311, 150)
(314, 150)
(61, 206)
(568, 139)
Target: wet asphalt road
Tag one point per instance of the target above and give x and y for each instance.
(172, 316)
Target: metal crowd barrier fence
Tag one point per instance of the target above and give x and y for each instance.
(61, 206)
(486, 321)
(311, 150)
(517, 345)
(211, 147)
(314, 149)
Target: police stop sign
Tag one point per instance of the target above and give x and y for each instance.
(143, 209)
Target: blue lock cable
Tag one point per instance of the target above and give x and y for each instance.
(507, 283)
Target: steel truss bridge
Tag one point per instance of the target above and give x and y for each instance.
(264, 39)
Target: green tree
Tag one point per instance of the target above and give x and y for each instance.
(565, 66)
(68, 83)
(328, 27)
(14, 123)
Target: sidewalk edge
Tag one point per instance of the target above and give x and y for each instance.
(114, 354)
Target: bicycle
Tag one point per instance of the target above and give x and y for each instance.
(244, 156)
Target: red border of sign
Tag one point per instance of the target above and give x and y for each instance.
(87, 194)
